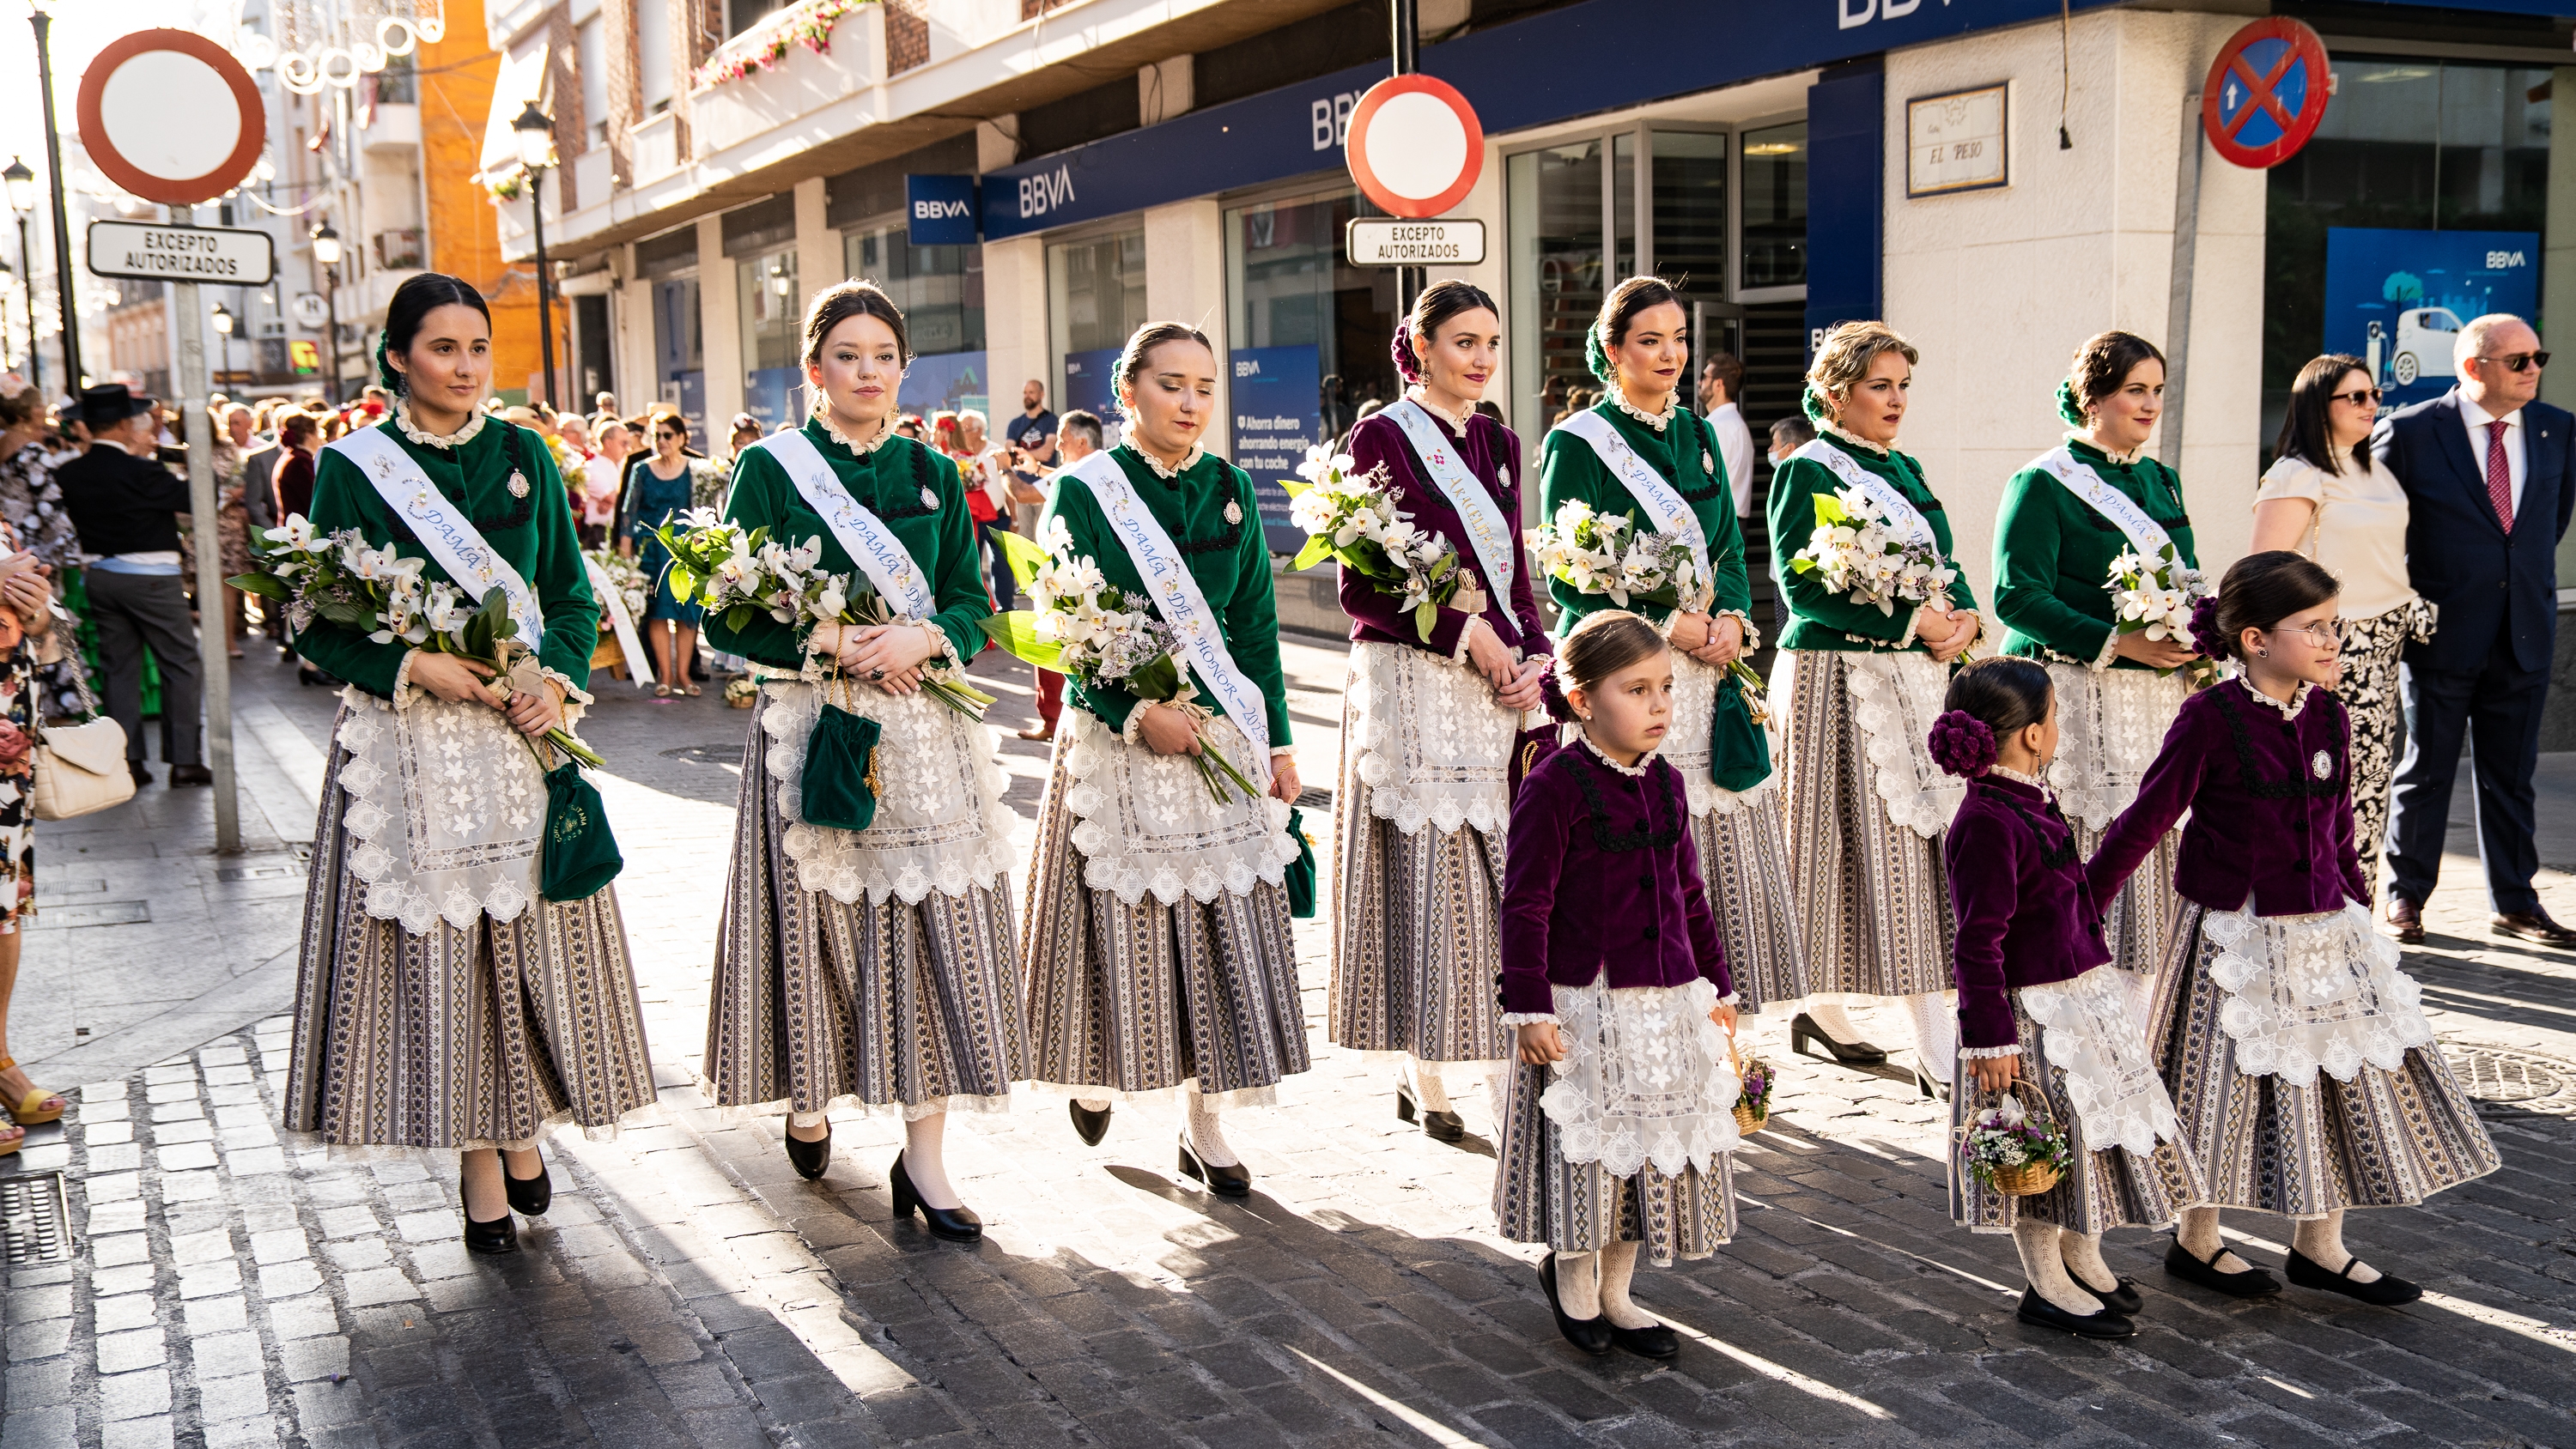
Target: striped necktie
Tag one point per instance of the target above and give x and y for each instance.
(2499, 475)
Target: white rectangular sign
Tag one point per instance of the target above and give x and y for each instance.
(1956, 142)
(226, 256)
(1388, 241)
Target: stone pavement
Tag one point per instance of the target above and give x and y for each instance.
(689, 1288)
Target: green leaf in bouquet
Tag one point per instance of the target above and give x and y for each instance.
(1022, 554)
(1319, 547)
(1016, 634)
(267, 586)
(684, 580)
(1158, 680)
(1829, 511)
(346, 614)
(739, 617)
(1447, 564)
(1426, 617)
(1294, 486)
(1802, 565)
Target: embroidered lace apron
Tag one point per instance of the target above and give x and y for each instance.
(2312, 991)
(2090, 1034)
(1687, 742)
(1148, 825)
(1646, 1079)
(1895, 698)
(2111, 726)
(1433, 745)
(447, 806)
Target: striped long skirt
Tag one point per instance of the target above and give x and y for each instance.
(1579, 1207)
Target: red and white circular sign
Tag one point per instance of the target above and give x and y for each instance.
(170, 116)
(1415, 146)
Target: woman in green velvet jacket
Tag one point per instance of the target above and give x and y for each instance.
(1857, 688)
(869, 969)
(441, 1004)
(1158, 950)
(1641, 350)
(2065, 518)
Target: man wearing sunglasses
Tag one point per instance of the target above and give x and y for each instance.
(2490, 479)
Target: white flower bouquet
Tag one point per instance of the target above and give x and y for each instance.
(634, 588)
(1862, 558)
(1354, 520)
(1606, 553)
(2154, 597)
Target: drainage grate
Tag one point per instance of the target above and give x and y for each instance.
(259, 872)
(2517, 1079)
(102, 913)
(34, 1223)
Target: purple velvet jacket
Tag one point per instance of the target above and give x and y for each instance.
(1492, 455)
(1602, 875)
(2270, 801)
(2026, 914)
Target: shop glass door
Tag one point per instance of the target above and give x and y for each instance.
(941, 292)
(770, 304)
(1095, 301)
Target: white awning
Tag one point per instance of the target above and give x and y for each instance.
(523, 79)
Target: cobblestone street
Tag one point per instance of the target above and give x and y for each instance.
(688, 1288)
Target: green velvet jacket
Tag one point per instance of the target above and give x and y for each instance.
(2053, 555)
(534, 532)
(1818, 618)
(888, 482)
(1229, 560)
(1684, 455)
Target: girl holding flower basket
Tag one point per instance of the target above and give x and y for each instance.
(2053, 1079)
(2095, 576)
(1641, 474)
(1434, 703)
(444, 1001)
(1158, 951)
(1878, 613)
(862, 962)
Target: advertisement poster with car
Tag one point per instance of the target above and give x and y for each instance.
(1277, 395)
(2396, 299)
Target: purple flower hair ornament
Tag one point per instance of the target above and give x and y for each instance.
(2205, 633)
(1407, 365)
(1962, 744)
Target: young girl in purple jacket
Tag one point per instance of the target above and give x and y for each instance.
(1619, 1118)
(2302, 1066)
(2042, 1013)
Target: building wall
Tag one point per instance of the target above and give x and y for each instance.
(1185, 282)
(456, 76)
(1015, 320)
(1998, 287)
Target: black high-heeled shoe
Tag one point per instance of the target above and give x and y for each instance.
(1592, 1335)
(810, 1159)
(1932, 1091)
(1439, 1126)
(956, 1225)
(2385, 1291)
(529, 1196)
(1088, 1125)
(498, 1236)
(1804, 1032)
(1233, 1181)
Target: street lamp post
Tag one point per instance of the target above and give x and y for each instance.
(21, 185)
(6, 277)
(536, 133)
(44, 23)
(326, 250)
(223, 317)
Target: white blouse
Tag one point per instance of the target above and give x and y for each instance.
(2359, 531)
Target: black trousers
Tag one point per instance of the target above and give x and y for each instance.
(2496, 709)
(133, 611)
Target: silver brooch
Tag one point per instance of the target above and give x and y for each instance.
(1233, 511)
(1707, 464)
(518, 484)
(929, 499)
(2323, 764)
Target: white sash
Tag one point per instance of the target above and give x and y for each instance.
(2146, 535)
(1903, 517)
(864, 536)
(446, 535)
(1176, 595)
(1664, 504)
(613, 600)
(1497, 547)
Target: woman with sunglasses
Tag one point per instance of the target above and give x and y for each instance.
(2094, 502)
(2327, 499)
(667, 483)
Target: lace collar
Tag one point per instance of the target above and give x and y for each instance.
(1169, 475)
(885, 430)
(1636, 771)
(2125, 460)
(2290, 711)
(2006, 772)
(474, 420)
(1855, 439)
(1657, 421)
(1457, 421)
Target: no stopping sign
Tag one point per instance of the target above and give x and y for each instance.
(1415, 146)
(170, 116)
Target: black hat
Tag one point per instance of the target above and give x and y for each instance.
(107, 405)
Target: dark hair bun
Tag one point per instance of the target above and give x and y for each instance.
(1962, 744)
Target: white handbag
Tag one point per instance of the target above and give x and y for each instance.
(80, 769)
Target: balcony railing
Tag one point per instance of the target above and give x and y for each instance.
(399, 250)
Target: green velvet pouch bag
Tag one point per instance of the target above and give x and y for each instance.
(580, 852)
(1301, 871)
(840, 780)
(1739, 748)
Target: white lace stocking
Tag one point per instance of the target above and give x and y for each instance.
(1618, 1269)
(2083, 1255)
(925, 1160)
(2047, 1271)
(1837, 1023)
(2320, 1241)
(1207, 1139)
(2198, 1234)
(1428, 1089)
(1936, 1033)
(1578, 1285)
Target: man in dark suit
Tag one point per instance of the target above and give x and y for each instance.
(2490, 479)
(124, 504)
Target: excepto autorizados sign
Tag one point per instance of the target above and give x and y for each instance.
(156, 253)
(1384, 241)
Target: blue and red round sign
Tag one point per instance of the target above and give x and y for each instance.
(2266, 92)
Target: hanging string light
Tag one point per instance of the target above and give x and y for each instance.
(334, 42)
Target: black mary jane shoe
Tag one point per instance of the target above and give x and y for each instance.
(1803, 1032)
(529, 1196)
(2385, 1291)
(810, 1159)
(2251, 1283)
(1592, 1335)
(1088, 1125)
(1655, 1340)
(2123, 1299)
(2038, 1312)
(955, 1225)
(501, 1235)
(1233, 1181)
(1440, 1126)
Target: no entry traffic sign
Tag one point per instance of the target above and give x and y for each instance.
(170, 116)
(1415, 146)
(2266, 92)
